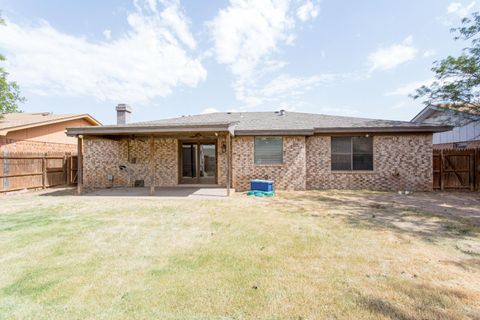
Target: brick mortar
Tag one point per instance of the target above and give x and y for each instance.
(400, 162)
(306, 163)
(102, 157)
(11, 145)
(291, 175)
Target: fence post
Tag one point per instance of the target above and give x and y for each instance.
(67, 169)
(477, 169)
(80, 165)
(6, 171)
(442, 173)
(44, 171)
(64, 168)
(471, 173)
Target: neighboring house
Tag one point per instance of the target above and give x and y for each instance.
(40, 132)
(298, 151)
(466, 131)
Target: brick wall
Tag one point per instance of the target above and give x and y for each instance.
(400, 162)
(10, 145)
(291, 175)
(102, 157)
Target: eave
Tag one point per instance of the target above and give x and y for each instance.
(393, 129)
(148, 130)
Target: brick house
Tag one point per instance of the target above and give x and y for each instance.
(40, 132)
(298, 151)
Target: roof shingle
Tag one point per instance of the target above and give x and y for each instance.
(21, 119)
(263, 123)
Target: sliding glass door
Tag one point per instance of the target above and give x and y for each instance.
(198, 162)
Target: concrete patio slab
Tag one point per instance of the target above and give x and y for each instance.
(166, 192)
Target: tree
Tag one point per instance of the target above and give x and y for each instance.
(457, 79)
(10, 95)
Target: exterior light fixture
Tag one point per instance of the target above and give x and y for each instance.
(224, 148)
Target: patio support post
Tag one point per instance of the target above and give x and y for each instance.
(152, 165)
(80, 165)
(228, 164)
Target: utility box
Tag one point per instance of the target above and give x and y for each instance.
(261, 185)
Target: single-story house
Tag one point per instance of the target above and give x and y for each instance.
(465, 133)
(298, 151)
(40, 132)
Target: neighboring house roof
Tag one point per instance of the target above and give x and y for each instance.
(20, 120)
(442, 115)
(262, 123)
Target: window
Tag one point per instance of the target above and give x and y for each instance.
(352, 153)
(268, 150)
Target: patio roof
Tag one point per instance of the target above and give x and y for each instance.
(153, 129)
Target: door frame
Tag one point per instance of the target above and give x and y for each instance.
(198, 142)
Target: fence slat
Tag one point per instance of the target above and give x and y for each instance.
(29, 170)
(457, 169)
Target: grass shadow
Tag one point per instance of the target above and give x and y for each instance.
(427, 215)
(420, 301)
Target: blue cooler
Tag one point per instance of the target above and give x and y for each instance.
(261, 185)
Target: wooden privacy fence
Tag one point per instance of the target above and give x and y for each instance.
(456, 169)
(21, 170)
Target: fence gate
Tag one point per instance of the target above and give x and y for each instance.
(36, 170)
(456, 169)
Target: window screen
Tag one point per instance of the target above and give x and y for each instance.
(268, 150)
(352, 153)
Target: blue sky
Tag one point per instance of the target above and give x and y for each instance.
(168, 58)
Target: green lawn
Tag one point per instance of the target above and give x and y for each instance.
(305, 255)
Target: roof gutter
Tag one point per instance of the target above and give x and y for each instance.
(430, 129)
(297, 132)
(124, 130)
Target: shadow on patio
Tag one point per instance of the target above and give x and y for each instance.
(165, 192)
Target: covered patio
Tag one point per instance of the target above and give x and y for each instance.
(155, 159)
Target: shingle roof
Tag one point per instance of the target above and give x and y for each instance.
(273, 122)
(276, 121)
(21, 119)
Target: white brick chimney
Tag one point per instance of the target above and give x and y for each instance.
(123, 113)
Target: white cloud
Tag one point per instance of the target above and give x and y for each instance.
(148, 61)
(107, 34)
(459, 9)
(309, 10)
(409, 88)
(246, 31)
(247, 35)
(281, 88)
(392, 56)
(456, 10)
(429, 53)
(210, 110)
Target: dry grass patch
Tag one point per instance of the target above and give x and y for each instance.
(302, 255)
